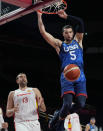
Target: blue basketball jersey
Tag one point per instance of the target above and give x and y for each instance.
(92, 127)
(71, 54)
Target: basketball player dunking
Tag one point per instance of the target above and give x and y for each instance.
(70, 51)
(23, 103)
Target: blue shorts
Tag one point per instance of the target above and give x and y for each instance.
(77, 87)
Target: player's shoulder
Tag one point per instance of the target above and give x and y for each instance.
(11, 93)
(74, 115)
(0, 110)
(35, 89)
(88, 125)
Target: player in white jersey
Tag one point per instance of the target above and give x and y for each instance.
(72, 123)
(24, 103)
(3, 125)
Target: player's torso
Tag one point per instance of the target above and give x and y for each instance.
(71, 54)
(73, 124)
(92, 128)
(27, 105)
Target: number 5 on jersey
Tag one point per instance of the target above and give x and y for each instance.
(73, 55)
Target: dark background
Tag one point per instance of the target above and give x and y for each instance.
(22, 49)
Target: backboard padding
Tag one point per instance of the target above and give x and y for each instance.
(19, 12)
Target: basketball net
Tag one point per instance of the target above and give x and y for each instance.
(54, 8)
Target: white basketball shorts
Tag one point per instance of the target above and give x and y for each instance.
(27, 126)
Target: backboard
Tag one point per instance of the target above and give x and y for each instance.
(13, 9)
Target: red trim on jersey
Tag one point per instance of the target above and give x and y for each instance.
(24, 94)
(75, 117)
(81, 94)
(14, 126)
(67, 92)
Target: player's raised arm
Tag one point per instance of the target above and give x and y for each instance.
(48, 37)
(77, 23)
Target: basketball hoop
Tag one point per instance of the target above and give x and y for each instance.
(54, 8)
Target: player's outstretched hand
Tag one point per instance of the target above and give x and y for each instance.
(62, 14)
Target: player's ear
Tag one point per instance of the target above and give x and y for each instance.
(63, 33)
(17, 81)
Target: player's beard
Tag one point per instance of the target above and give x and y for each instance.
(68, 40)
(23, 84)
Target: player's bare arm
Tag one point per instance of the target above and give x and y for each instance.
(40, 100)
(2, 123)
(79, 35)
(87, 128)
(10, 105)
(56, 43)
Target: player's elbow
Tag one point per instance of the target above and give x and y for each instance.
(42, 32)
(43, 109)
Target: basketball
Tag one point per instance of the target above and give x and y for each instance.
(71, 72)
